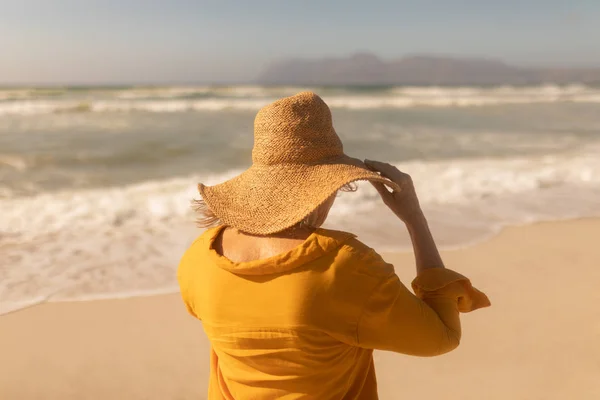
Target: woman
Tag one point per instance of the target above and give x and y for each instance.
(293, 310)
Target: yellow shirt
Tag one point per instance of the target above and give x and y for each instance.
(303, 324)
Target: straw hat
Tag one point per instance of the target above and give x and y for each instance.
(298, 162)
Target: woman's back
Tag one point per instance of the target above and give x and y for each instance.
(285, 326)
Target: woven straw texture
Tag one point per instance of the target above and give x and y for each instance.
(298, 162)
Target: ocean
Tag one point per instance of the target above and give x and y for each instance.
(96, 183)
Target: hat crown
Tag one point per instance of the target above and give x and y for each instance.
(295, 130)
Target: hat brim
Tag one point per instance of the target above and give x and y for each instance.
(267, 199)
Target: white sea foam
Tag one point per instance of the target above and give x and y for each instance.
(439, 182)
(470, 97)
(31, 107)
(182, 99)
(544, 90)
(208, 91)
(127, 240)
(164, 93)
(144, 93)
(16, 162)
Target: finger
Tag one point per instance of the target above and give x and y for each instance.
(382, 189)
(380, 165)
(371, 168)
(386, 170)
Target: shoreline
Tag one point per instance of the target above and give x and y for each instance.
(538, 340)
(385, 251)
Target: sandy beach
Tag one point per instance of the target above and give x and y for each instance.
(539, 340)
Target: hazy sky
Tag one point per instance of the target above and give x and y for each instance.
(128, 41)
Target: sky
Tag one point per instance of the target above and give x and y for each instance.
(223, 41)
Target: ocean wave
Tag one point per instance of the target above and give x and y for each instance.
(439, 182)
(207, 99)
(207, 91)
(150, 93)
(30, 93)
(544, 90)
(26, 108)
(121, 241)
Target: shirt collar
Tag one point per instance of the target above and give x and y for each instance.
(319, 243)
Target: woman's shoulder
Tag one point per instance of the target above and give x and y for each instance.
(205, 237)
(199, 245)
(359, 257)
(349, 242)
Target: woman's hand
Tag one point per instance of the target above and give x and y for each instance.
(404, 203)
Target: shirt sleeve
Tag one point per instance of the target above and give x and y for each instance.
(425, 324)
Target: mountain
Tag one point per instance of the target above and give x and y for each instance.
(368, 69)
